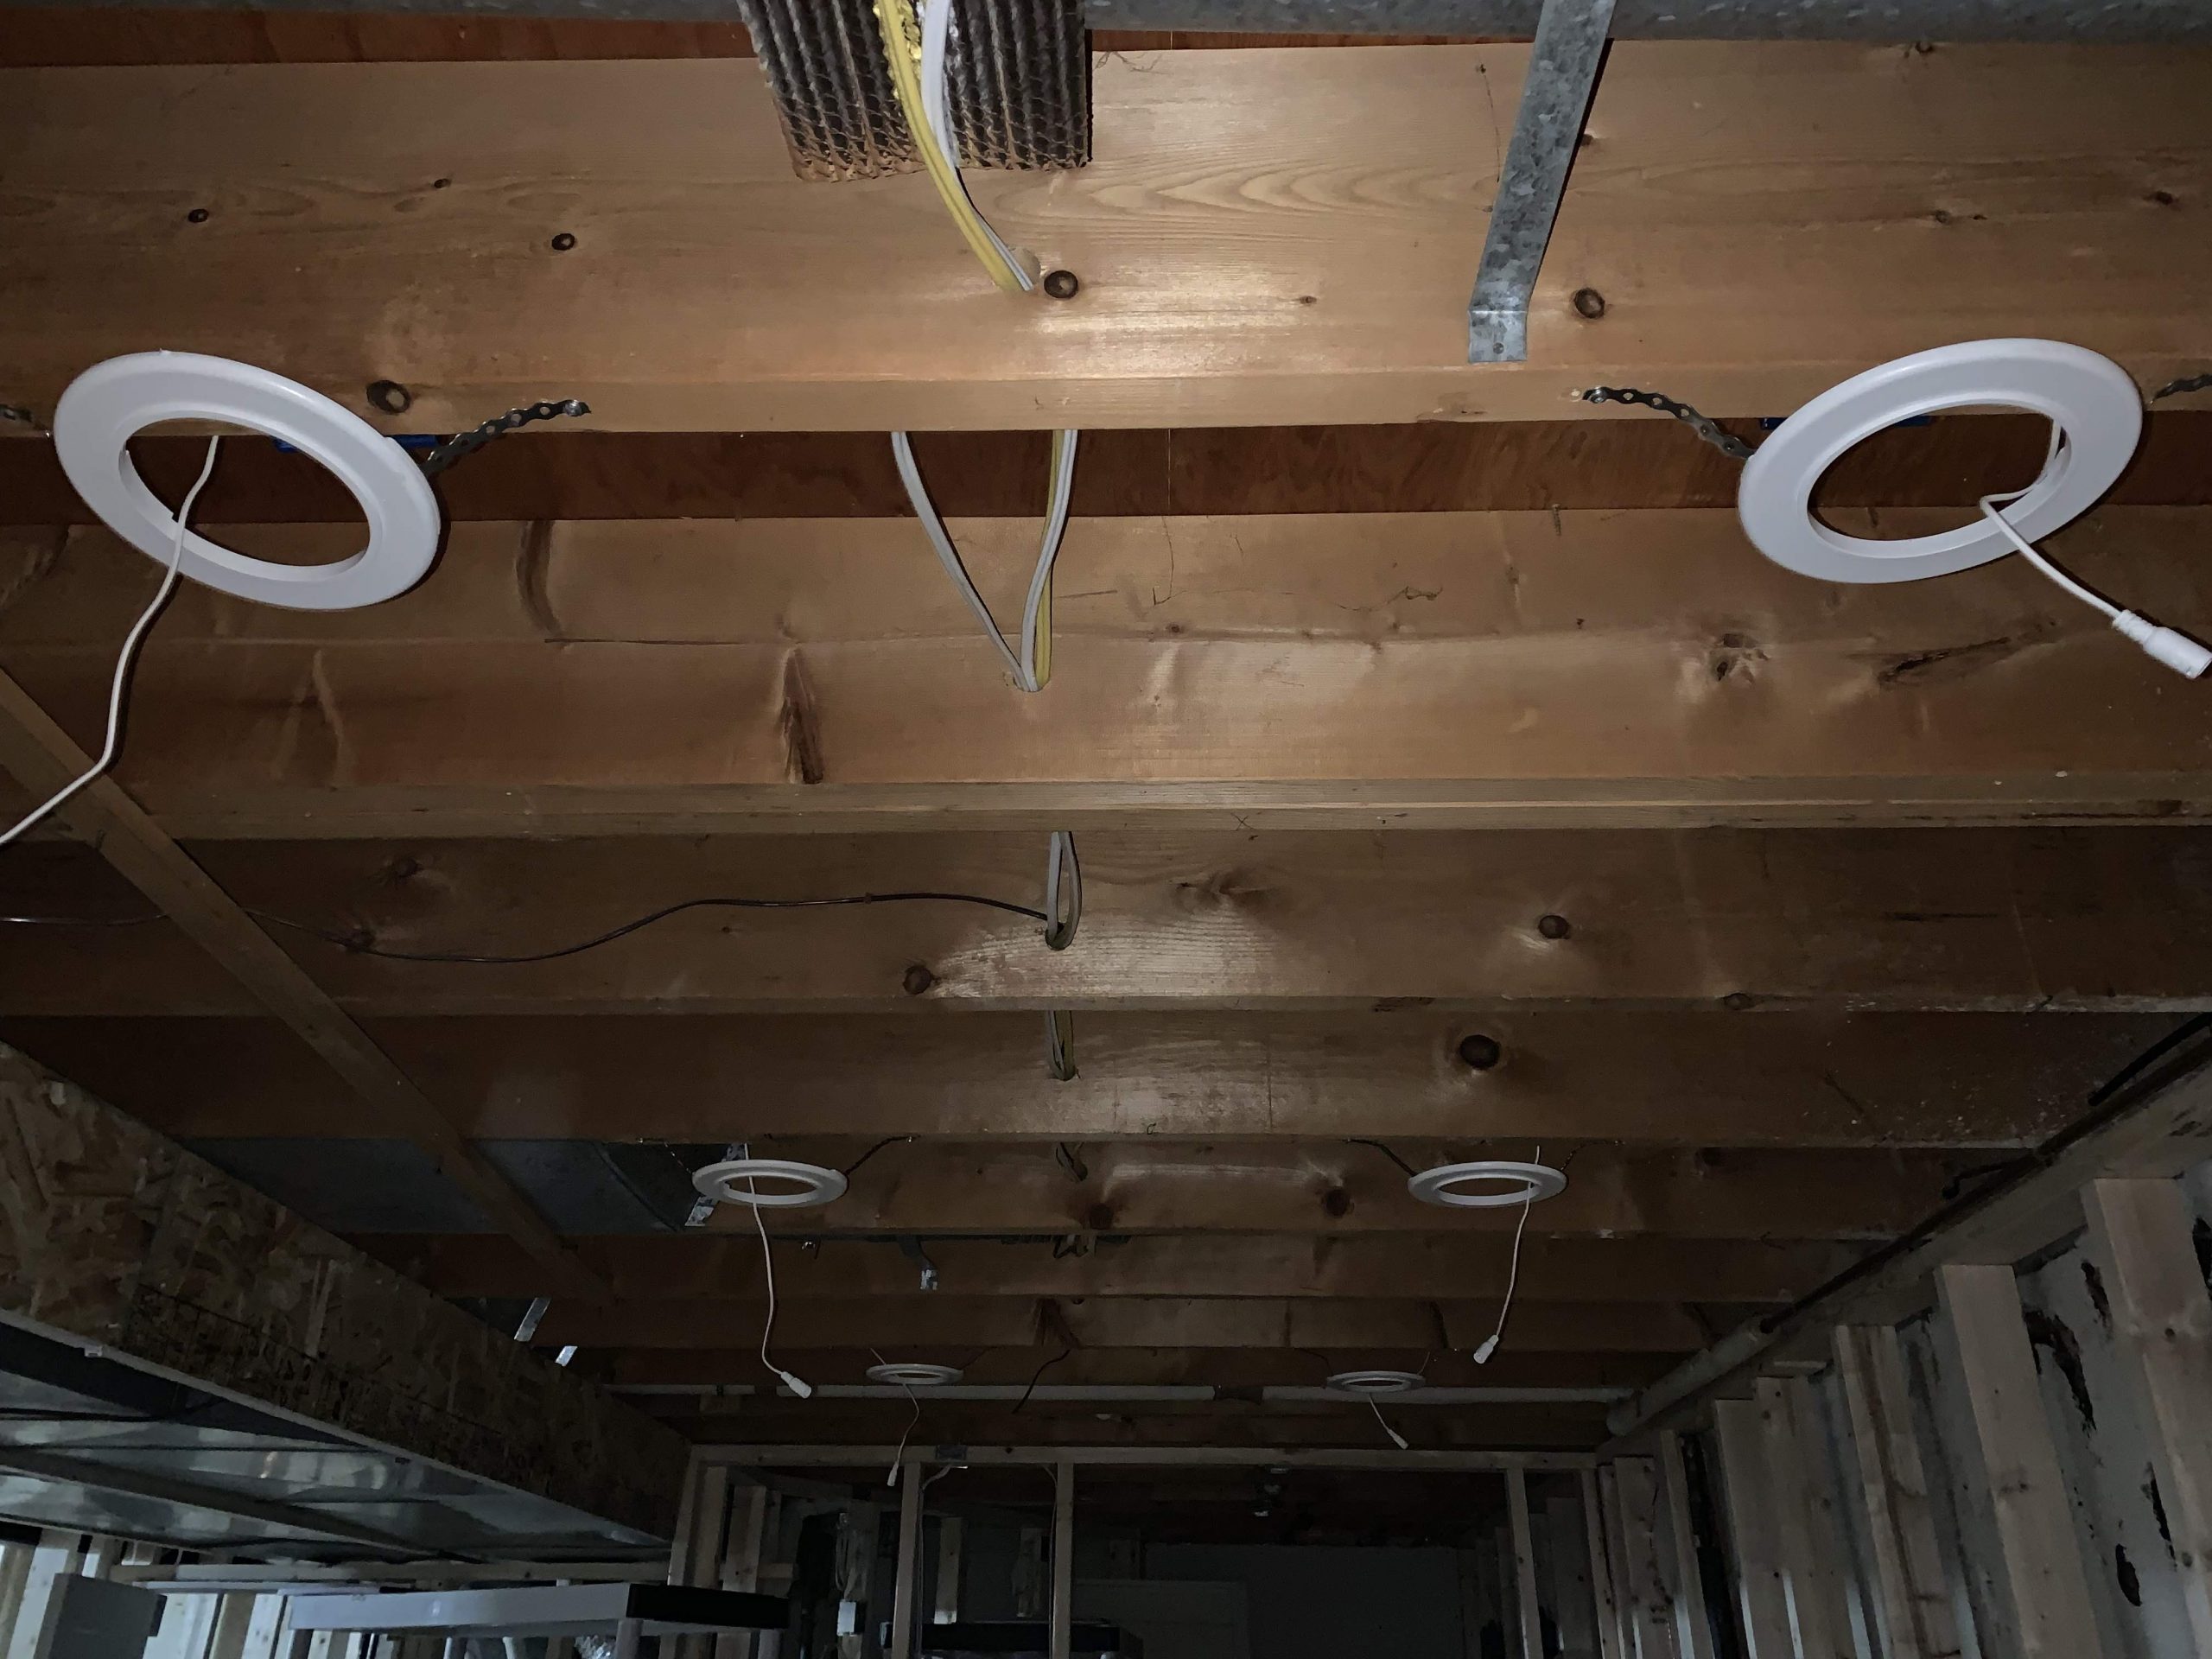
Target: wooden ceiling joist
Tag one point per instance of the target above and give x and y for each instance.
(1384, 671)
(1758, 1080)
(42, 757)
(1330, 1423)
(1263, 237)
(676, 1267)
(1327, 1188)
(1425, 467)
(1997, 920)
(947, 1321)
(658, 1373)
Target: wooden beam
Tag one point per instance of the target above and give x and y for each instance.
(948, 1319)
(1524, 1567)
(2153, 1117)
(1810, 1547)
(650, 1268)
(1170, 1187)
(1985, 920)
(947, 1583)
(769, 293)
(1754, 1530)
(904, 1590)
(1693, 1624)
(42, 756)
(1571, 1596)
(1784, 1082)
(553, 472)
(128, 35)
(1914, 1597)
(2142, 1235)
(1347, 1426)
(1063, 1602)
(149, 1253)
(1017, 1453)
(1605, 1590)
(2043, 1567)
(1240, 1371)
(1485, 670)
(1651, 1613)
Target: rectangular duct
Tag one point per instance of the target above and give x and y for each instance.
(1018, 74)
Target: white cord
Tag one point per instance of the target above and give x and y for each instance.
(2168, 646)
(936, 106)
(1397, 1439)
(1061, 863)
(1513, 1274)
(805, 1391)
(913, 1422)
(1024, 667)
(123, 658)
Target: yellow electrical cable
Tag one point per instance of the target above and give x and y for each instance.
(902, 47)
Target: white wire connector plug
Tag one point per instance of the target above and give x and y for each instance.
(2168, 646)
(1513, 1277)
(2184, 655)
(797, 1385)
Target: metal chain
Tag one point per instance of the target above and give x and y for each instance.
(1709, 430)
(2175, 388)
(463, 445)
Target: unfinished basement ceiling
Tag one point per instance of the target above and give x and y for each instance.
(1451, 780)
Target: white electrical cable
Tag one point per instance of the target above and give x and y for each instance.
(1397, 1439)
(123, 658)
(1513, 1275)
(897, 1458)
(936, 108)
(1028, 668)
(804, 1389)
(2168, 646)
(1061, 864)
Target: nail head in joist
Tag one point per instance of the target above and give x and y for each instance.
(1562, 73)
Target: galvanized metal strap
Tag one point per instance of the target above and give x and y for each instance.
(1562, 72)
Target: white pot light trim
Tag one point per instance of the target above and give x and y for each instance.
(798, 1186)
(1487, 1183)
(112, 402)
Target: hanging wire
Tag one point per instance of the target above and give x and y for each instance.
(1513, 1277)
(1061, 866)
(358, 944)
(123, 658)
(1059, 1046)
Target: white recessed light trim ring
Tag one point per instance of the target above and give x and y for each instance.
(1492, 1184)
(2096, 415)
(913, 1374)
(737, 1180)
(112, 402)
(1486, 1184)
(790, 1185)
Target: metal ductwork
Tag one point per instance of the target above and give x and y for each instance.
(1018, 74)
